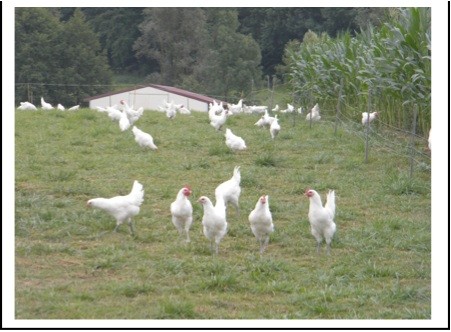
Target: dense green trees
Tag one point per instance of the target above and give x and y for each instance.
(175, 38)
(274, 27)
(36, 30)
(62, 60)
(67, 52)
(199, 49)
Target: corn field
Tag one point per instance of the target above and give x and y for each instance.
(391, 65)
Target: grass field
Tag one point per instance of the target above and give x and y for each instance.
(70, 265)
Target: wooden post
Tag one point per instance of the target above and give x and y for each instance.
(412, 139)
(252, 91)
(272, 93)
(30, 97)
(367, 131)
(337, 114)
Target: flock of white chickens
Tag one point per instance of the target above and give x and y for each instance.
(214, 221)
(44, 106)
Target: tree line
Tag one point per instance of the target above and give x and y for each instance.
(72, 53)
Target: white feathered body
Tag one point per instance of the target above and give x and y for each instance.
(368, 118)
(45, 106)
(321, 217)
(27, 106)
(261, 223)
(230, 190)
(133, 115)
(314, 114)
(143, 139)
(182, 212)
(113, 113)
(274, 129)
(265, 120)
(217, 121)
(234, 142)
(122, 208)
(213, 221)
(124, 122)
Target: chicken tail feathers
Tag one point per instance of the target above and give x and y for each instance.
(330, 202)
(137, 193)
(237, 174)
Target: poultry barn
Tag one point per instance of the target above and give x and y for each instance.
(151, 96)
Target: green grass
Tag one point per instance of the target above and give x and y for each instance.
(70, 265)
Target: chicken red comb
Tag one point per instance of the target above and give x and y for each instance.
(187, 187)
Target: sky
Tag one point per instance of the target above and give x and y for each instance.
(440, 164)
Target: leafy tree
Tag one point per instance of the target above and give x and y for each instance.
(117, 29)
(82, 67)
(234, 58)
(36, 31)
(62, 60)
(272, 28)
(174, 38)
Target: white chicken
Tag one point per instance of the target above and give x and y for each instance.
(234, 142)
(230, 190)
(217, 121)
(182, 109)
(182, 212)
(46, 106)
(27, 106)
(213, 222)
(236, 108)
(215, 109)
(276, 108)
(74, 108)
(124, 122)
(368, 118)
(60, 107)
(322, 218)
(289, 109)
(260, 219)
(131, 114)
(122, 208)
(258, 109)
(170, 110)
(274, 129)
(143, 139)
(265, 120)
(113, 113)
(313, 115)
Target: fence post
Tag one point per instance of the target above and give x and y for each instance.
(272, 93)
(294, 109)
(252, 92)
(30, 95)
(367, 131)
(338, 106)
(412, 139)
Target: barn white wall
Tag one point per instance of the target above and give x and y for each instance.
(149, 98)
